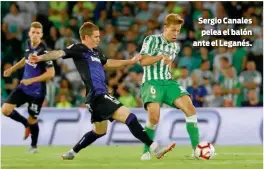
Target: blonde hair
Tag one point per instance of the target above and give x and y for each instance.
(173, 19)
(87, 29)
(36, 25)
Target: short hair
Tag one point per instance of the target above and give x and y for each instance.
(87, 29)
(36, 25)
(174, 19)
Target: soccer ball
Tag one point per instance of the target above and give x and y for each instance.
(204, 151)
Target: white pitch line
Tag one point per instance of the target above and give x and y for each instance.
(226, 162)
(241, 154)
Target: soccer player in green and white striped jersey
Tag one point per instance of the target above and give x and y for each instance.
(157, 45)
(158, 52)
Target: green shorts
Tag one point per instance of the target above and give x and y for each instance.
(162, 91)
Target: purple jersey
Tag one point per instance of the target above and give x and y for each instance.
(89, 63)
(37, 89)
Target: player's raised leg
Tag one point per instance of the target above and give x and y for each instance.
(99, 130)
(185, 104)
(152, 122)
(123, 115)
(8, 109)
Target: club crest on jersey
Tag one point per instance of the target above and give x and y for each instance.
(95, 59)
(34, 65)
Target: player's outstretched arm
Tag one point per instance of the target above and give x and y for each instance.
(17, 66)
(113, 63)
(51, 55)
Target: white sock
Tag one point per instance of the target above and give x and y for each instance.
(150, 125)
(72, 151)
(153, 146)
(191, 119)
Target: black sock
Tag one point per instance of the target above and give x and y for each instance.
(17, 117)
(34, 130)
(86, 140)
(137, 130)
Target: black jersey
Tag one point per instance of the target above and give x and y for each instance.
(89, 63)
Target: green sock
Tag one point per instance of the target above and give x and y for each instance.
(193, 132)
(151, 134)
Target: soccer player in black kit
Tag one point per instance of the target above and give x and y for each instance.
(32, 88)
(91, 63)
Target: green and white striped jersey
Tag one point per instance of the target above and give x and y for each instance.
(248, 76)
(231, 83)
(185, 82)
(155, 45)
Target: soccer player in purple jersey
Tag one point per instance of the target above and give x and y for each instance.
(32, 88)
(103, 107)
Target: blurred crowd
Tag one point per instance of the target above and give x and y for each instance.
(214, 76)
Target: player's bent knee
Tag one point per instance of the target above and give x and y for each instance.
(121, 114)
(7, 110)
(154, 119)
(153, 112)
(185, 104)
(100, 128)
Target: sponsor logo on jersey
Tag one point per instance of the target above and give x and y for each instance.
(95, 59)
(163, 52)
(34, 65)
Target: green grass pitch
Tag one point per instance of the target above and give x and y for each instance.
(128, 157)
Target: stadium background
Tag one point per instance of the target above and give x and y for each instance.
(123, 27)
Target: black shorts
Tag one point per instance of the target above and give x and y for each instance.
(103, 107)
(18, 97)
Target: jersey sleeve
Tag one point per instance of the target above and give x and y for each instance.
(71, 52)
(43, 50)
(48, 63)
(147, 47)
(102, 57)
